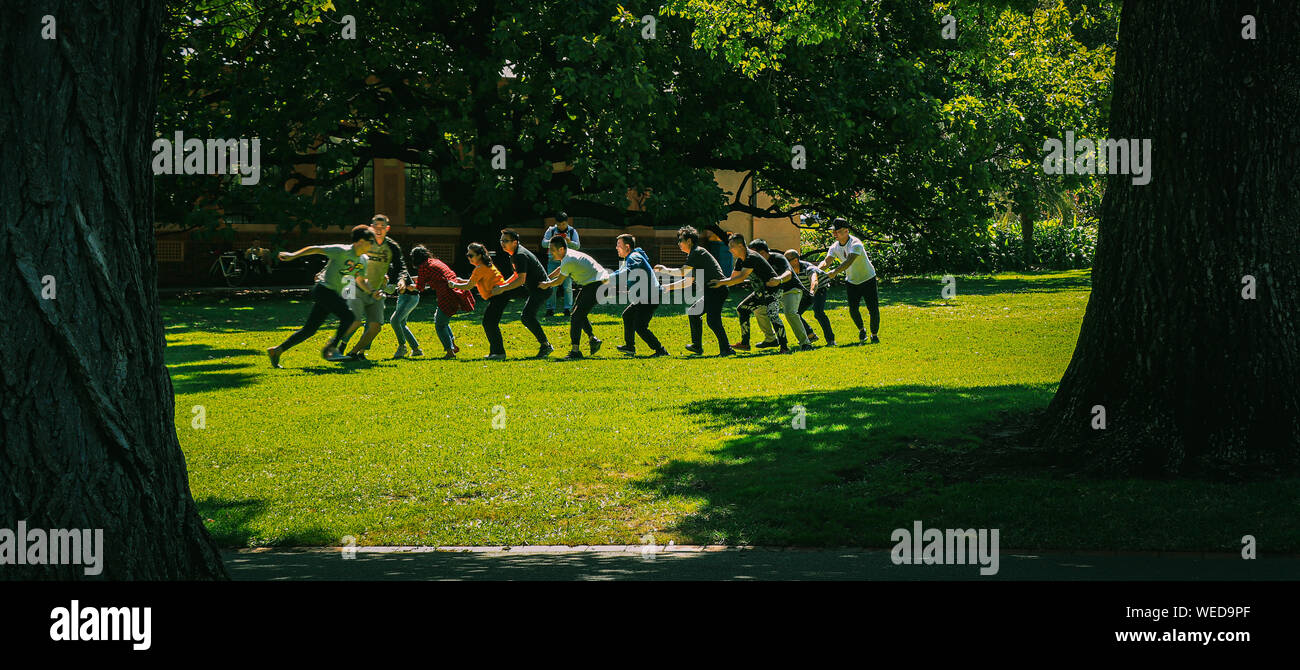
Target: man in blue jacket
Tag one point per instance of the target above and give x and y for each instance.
(643, 293)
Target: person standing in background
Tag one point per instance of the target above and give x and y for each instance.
(715, 240)
(570, 235)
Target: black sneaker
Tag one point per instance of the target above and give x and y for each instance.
(785, 350)
(573, 355)
(629, 351)
(275, 357)
(805, 347)
(358, 356)
(862, 335)
(875, 340)
(659, 353)
(694, 348)
(727, 352)
(830, 343)
(767, 344)
(595, 345)
(812, 337)
(545, 350)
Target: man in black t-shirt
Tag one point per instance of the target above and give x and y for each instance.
(528, 273)
(763, 279)
(702, 266)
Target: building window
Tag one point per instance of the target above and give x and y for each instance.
(171, 251)
(352, 200)
(423, 207)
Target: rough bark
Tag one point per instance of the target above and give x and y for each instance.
(1027, 210)
(1194, 377)
(86, 415)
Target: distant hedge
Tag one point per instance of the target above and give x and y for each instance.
(997, 248)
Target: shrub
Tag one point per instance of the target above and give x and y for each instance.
(997, 248)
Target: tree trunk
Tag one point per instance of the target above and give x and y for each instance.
(1192, 376)
(87, 413)
(1027, 210)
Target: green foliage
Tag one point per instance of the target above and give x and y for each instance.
(910, 136)
(997, 248)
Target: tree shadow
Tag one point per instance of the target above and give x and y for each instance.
(189, 353)
(231, 524)
(232, 314)
(860, 461)
(871, 460)
(203, 377)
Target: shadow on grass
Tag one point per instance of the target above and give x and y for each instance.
(231, 523)
(203, 377)
(873, 460)
(189, 353)
(861, 457)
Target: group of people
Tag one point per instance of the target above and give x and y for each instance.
(359, 277)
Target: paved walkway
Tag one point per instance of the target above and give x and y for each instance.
(639, 562)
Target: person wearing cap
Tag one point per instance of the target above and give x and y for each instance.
(859, 277)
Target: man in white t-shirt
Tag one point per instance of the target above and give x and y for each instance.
(587, 275)
(859, 276)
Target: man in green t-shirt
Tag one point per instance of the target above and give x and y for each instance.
(385, 265)
(344, 273)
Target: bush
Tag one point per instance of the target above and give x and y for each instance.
(998, 248)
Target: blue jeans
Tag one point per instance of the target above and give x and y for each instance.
(406, 302)
(566, 287)
(440, 319)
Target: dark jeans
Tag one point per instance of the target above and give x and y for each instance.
(860, 292)
(636, 321)
(818, 304)
(326, 302)
(714, 299)
(529, 318)
(584, 299)
(496, 306)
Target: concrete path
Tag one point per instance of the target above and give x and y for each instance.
(639, 562)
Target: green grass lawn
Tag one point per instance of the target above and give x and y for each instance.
(606, 450)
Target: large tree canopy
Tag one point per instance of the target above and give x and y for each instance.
(891, 125)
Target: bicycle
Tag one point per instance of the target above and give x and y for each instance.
(230, 266)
